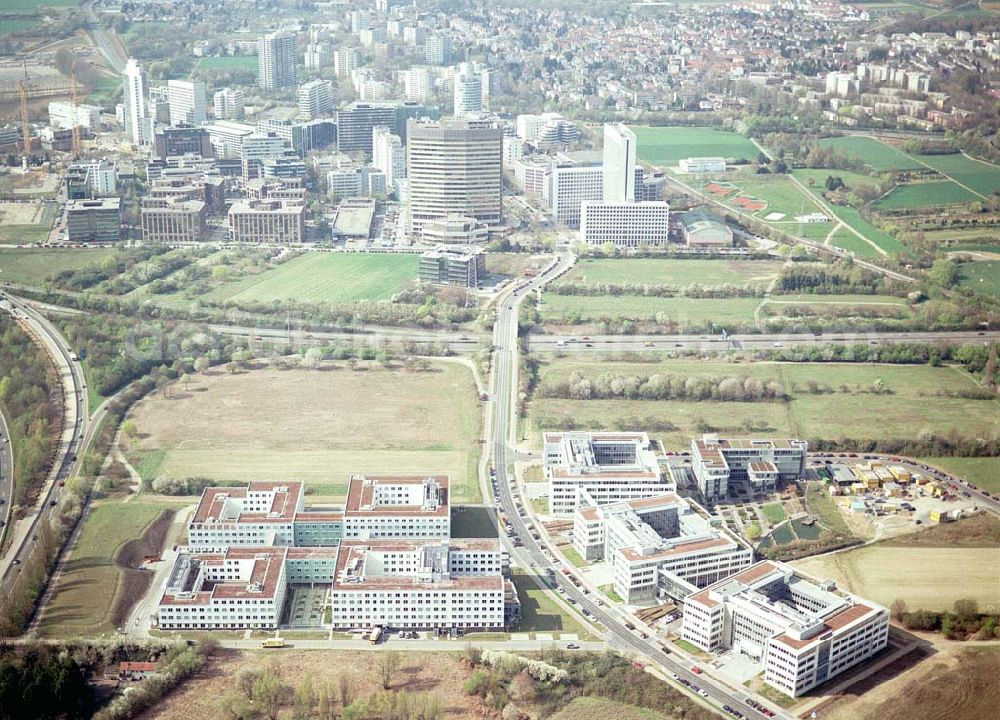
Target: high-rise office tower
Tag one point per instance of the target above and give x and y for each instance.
(453, 167)
(276, 61)
(315, 99)
(135, 102)
(619, 163)
(186, 99)
(468, 91)
(388, 154)
(345, 61)
(417, 84)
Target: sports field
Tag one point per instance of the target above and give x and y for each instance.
(842, 405)
(923, 195)
(681, 310)
(981, 176)
(774, 199)
(85, 593)
(311, 425)
(929, 578)
(982, 276)
(32, 267)
(674, 273)
(873, 153)
(666, 145)
(325, 277)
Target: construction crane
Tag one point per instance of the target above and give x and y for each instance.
(25, 124)
(74, 97)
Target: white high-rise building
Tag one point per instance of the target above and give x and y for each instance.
(468, 91)
(186, 99)
(417, 84)
(388, 154)
(276, 61)
(625, 224)
(346, 61)
(315, 99)
(619, 164)
(228, 104)
(317, 55)
(66, 115)
(453, 167)
(135, 102)
(437, 49)
(569, 186)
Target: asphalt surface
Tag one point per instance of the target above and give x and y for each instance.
(6, 474)
(76, 404)
(530, 554)
(111, 50)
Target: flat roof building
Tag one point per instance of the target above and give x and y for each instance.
(724, 467)
(660, 548)
(94, 220)
(700, 229)
(460, 265)
(267, 221)
(609, 466)
(412, 506)
(455, 230)
(172, 220)
(624, 224)
(800, 631)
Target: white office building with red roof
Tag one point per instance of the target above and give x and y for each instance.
(725, 467)
(407, 506)
(660, 548)
(802, 632)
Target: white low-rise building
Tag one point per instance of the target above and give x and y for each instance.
(660, 548)
(398, 507)
(702, 165)
(610, 466)
(801, 632)
(421, 585)
(752, 466)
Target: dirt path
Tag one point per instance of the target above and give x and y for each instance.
(810, 193)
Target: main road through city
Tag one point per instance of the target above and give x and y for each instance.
(531, 555)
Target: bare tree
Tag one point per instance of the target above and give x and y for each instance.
(346, 685)
(387, 664)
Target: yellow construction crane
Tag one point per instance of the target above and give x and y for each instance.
(77, 141)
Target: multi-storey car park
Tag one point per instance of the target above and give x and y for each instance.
(610, 466)
(801, 632)
(746, 466)
(249, 546)
(661, 547)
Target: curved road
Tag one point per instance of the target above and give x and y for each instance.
(531, 555)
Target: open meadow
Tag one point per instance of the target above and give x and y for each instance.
(929, 570)
(983, 472)
(818, 400)
(913, 196)
(979, 175)
(664, 146)
(877, 155)
(26, 266)
(273, 424)
(876, 237)
(679, 273)
(324, 277)
(84, 598)
(983, 276)
(685, 312)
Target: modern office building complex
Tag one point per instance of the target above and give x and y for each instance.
(90, 221)
(569, 186)
(179, 141)
(187, 102)
(276, 61)
(800, 631)
(172, 220)
(745, 466)
(609, 466)
(460, 265)
(267, 221)
(660, 547)
(454, 167)
(625, 224)
(424, 585)
(387, 557)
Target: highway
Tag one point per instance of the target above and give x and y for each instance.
(111, 50)
(6, 474)
(76, 434)
(530, 555)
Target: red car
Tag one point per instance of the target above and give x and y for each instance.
(696, 670)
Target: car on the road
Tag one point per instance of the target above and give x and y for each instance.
(696, 670)
(572, 646)
(15, 561)
(703, 692)
(674, 676)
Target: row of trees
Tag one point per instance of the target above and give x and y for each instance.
(964, 622)
(842, 277)
(31, 403)
(691, 291)
(661, 387)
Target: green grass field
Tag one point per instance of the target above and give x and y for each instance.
(667, 145)
(983, 177)
(818, 177)
(780, 194)
(925, 194)
(324, 277)
(982, 276)
(873, 153)
(27, 7)
(909, 408)
(854, 220)
(85, 593)
(676, 273)
(228, 62)
(592, 708)
(983, 472)
(540, 612)
(32, 267)
(684, 311)
(22, 234)
(9, 27)
(774, 513)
